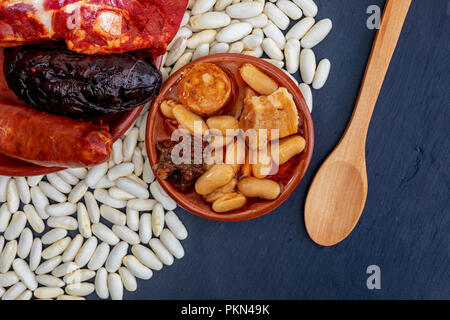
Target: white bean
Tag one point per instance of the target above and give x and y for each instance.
(92, 207)
(103, 196)
(114, 260)
(95, 174)
(50, 281)
(148, 174)
(117, 151)
(101, 283)
(80, 289)
(104, 233)
(138, 162)
(78, 276)
(39, 201)
(24, 273)
(245, 10)
(201, 6)
(56, 248)
(84, 224)
(292, 53)
(172, 244)
(24, 190)
(210, 20)
(86, 252)
(147, 257)
(48, 266)
(99, 257)
(126, 234)
(161, 252)
(271, 49)
(16, 226)
(308, 7)
(64, 222)
(5, 217)
(129, 144)
(35, 254)
(104, 183)
(8, 255)
(78, 192)
(277, 16)
(257, 22)
(272, 32)
(8, 279)
(61, 209)
(25, 243)
(113, 215)
(128, 279)
(120, 194)
(322, 73)
(132, 219)
(59, 183)
(317, 33)
(53, 236)
(175, 225)
(157, 219)
(162, 197)
(234, 32)
(33, 218)
(115, 286)
(26, 295)
(145, 228)
(14, 292)
(141, 204)
(3, 187)
(184, 60)
(307, 95)
(307, 65)
(136, 268)
(48, 292)
(12, 196)
(34, 180)
(67, 177)
(73, 248)
(133, 188)
(290, 9)
(299, 30)
(220, 47)
(80, 173)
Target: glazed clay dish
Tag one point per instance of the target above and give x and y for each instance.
(228, 96)
(118, 124)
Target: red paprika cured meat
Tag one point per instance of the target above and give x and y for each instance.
(49, 140)
(92, 26)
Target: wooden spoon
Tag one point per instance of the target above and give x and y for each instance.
(338, 193)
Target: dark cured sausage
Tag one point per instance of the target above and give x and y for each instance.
(48, 140)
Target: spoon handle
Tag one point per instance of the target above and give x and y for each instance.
(394, 16)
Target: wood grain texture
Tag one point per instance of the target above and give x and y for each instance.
(405, 227)
(338, 193)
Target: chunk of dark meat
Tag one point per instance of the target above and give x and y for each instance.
(54, 79)
(183, 176)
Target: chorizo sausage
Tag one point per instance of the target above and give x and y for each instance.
(49, 140)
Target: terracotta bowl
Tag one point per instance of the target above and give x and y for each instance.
(290, 174)
(118, 123)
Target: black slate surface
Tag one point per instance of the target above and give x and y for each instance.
(405, 227)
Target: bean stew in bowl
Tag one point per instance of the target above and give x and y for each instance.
(229, 137)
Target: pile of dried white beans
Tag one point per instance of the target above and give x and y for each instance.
(121, 231)
(68, 234)
(254, 27)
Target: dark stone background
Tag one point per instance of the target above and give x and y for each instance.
(405, 227)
